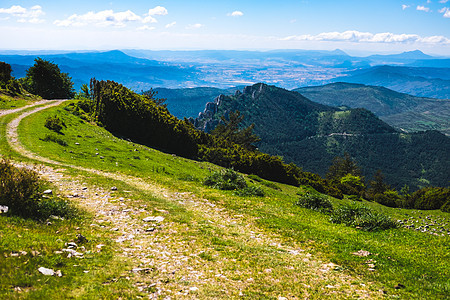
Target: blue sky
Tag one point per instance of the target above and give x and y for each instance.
(353, 25)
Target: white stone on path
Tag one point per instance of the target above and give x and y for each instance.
(157, 219)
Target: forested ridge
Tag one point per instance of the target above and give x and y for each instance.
(311, 135)
(141, 118)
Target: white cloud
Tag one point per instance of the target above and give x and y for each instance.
(367, 37)
(149, 19)
(443, 1)
(446, 12)
(146, 27)
(428, 1)
(194, 26)
(157, 11)
(171, 24)
(31, 15)
(236, 13)
(101, 18)
(110, 18)
(404, 6)
(423, 8)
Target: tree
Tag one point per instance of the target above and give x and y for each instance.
(151, 95)
(5, 72)
(341, 167)
(377, 184)
(229, 129)
(46, 80)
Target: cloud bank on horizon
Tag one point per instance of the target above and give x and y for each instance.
(236, 25)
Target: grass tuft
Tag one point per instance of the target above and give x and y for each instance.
(361, 217)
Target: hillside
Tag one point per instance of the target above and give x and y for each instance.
(311, 134)
(148, 226)
(400, 110)
(420, 82)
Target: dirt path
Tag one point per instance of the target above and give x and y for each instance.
(5, 112)
(175, 260)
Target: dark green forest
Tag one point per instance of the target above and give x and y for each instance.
(311, 135)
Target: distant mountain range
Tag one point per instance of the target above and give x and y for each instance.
(411, 72)
(135, 73)
(312, 134)
(422, 82)
(400, 110)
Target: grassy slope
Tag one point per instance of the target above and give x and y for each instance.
(418, 261)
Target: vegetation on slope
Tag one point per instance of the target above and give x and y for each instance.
(401, 262)
(12, 93)
(399, 110)
(311, 135)
(140, 118)
(45, 79)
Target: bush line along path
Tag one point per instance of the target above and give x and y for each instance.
(166, 254)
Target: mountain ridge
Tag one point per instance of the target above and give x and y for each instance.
(311, 135)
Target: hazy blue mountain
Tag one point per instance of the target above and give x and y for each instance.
(396, 59)
(312, 134)
(400, 110)
(144, 69)
(135, 73)
(405, 80)
(431, 63)
(188, 102)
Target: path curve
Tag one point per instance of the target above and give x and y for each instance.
(5, 112)
(170, 254)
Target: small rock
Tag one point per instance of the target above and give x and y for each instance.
(142, 270)
(114, 188)
(47, 272)
(77, 143)
(151, 229)
(399, 286)
(193, 289)
(3, 209)
(362, 253)
(157, 219)
(47, 192)
(71, 245)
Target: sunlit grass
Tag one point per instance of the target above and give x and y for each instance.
(419, 261)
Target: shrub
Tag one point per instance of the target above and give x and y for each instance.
(430, 197)
(446, 207)
(54, 139)
(54, 123)
(255, 177)
(251, 191)
(315, 201)
(353, 197)
(226, 179)
(18, 189)
(388, 198)
(55, 207)
(361, 217)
